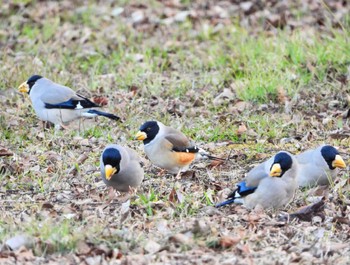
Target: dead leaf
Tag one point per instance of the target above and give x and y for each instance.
(100, 100)
(5, 152)
(47, 205)
(24, 254)
(176, 196)
(241, 105)
(200, 227)
(319, 191)
(281, 95)
(223, 97)
(181, 239)
(83, 248)
(308, 212)
(81, 159)
(241, 129)
(152, 247)
(310, 67)
(124, 211)
(228, 241)
(215, 163)
(341, 220)
(172, 195)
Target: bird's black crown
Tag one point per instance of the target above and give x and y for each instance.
(328, 153)
(112, 156)
(151, 128)
(31, 81)
(285, 161)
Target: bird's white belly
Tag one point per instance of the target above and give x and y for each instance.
(58, 116)
(163, 159)
(311, 176)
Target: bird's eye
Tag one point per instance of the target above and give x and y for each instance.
(148, 129)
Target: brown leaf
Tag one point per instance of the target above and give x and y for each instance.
(176, 196)
(81, 159)
(172, 195)
(5, 152)
(24, 254)
(181, 239)
(223, 97)
(319, 191)
(134, 89)
(310, 67)
(152, 247)
(47, 205)
(341, 220)
(281, 95)
(100, 100)
(241, 129)
(50, 169)
(200, 227)
(228, 241)
(215, 163)
(83, 248)
(308, 212)
(241, 105)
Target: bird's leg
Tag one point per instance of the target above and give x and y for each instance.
(64, 126)
(112, 194)
(123, 198)
(132, 191)
(79, 126)
(44, 125)
(161, 172)
(178, 176)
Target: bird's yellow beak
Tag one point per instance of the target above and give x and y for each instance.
(276, 170)
(23, 88)
(109, 171)
(338, 162)
(140, 136)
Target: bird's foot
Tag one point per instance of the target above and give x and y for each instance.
(112, 194)
(132, 191)
(161, 173)
(178, 176)
(123, 198)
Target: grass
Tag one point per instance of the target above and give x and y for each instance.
(263, 63)
(87, 49)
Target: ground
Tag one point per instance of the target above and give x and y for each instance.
(242, 79)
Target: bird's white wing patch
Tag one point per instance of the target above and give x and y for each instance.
(79, 106)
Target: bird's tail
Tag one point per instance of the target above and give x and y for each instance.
(220, 204)
(104, 114)
(233, 197)
(205, 155)
(237, 195)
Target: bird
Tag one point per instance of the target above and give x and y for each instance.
(59, 104)
(317, 166)
(271, 184)
(169, 148)
(121, 168)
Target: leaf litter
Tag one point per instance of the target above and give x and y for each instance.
(172, 224)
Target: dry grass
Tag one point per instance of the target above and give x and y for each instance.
(235, 84)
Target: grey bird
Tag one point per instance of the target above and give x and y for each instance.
(169, 148)
(121, 168)
(271, 184)
(318, 166)
(59, 104)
